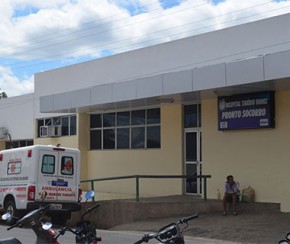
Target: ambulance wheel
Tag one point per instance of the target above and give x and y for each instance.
(11, 208)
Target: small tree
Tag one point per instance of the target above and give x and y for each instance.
(3, 95)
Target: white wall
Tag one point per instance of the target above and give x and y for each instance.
(17, 116)
(244, 41)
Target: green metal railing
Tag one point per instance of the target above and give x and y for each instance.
(138, 177)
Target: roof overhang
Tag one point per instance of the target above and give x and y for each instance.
(262, 73)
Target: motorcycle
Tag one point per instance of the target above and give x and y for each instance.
(35, 220)
(85, 231)
(286, 240)
(171, 233)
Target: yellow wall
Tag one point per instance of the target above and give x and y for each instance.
(259, 158)
(64, 141)
(83, 143)
(2, 145)
(164, 161)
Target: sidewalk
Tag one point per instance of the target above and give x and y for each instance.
(249, 226)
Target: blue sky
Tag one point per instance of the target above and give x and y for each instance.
(39, 35)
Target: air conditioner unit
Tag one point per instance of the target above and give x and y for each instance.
(50, 131)
(43, 131)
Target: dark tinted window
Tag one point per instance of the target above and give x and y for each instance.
(153, 116)
(109, 139)
(96, 139)
(109, 120)
(123, 138)
(123, 118)
(192, 116)
(138, 117)
(153, 137)
(64, 126)
(138, 137)
(126, 129)
(73, 125)
(95, 121)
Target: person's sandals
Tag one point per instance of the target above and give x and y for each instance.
(235, 213)
(224, 213)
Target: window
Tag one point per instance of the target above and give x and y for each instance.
(192, 116)
(14, 168)
(67, 167)
(16, 144)
(134, 129)
(109, 139)
(138, 137)
(153, 137)
(68, 124)
(48, 164)
(123, 138)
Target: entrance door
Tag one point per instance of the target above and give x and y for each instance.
(192, 155)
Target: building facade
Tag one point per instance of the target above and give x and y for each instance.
(213, 104)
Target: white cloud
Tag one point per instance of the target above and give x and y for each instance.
(10, 84)
(62, 29)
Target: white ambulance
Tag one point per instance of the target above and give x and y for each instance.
(27, 171)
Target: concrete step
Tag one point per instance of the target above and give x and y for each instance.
(116, 212)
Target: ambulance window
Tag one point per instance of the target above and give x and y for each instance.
(48, 164)
(14, 168)
(67, 166)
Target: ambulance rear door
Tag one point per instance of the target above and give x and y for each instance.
(58, 175)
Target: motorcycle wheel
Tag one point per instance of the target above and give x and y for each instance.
(179, 240)
(80, 239)
(86, 239)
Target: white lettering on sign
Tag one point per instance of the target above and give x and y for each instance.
(55, 188)
(232, 114)
(254, 112)
(262, 101)
(234, 104)
(248, 102)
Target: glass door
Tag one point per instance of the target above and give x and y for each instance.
(193, 165)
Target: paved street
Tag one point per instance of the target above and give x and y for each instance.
(247, 227)
(250, 226)
(27, 236)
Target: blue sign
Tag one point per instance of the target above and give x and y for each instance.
(246, 111)
(59, 183)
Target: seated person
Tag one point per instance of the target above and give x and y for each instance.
(231, 191)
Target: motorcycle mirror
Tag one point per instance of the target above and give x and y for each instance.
(46, 225)
(6, 216)
(90, 194)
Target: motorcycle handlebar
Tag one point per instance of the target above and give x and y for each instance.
(165, 229)
(186, 219)
(146, 238)
(63, 230)
(12, 226)
(29, 215)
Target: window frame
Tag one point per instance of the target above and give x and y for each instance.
(19, 163)
(70, 129)
(42, 164)
(138, 123)
(64, 160)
